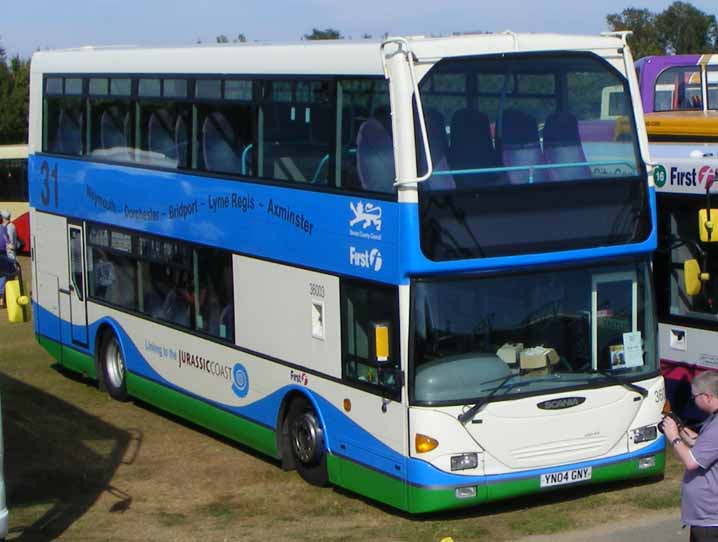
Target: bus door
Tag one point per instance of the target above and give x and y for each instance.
(78, 307)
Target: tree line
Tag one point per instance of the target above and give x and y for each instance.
(14, 98)
(681, 28)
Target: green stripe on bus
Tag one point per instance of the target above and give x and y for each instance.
(211, 417)
(365, 481)
(392, 491)
(69, 357)
(53, 347)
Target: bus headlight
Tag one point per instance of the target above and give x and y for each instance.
(464, 461)
(644, 434)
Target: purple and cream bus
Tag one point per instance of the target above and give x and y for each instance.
(679, 94)
(680, 100)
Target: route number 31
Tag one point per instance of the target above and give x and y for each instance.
(49, 184)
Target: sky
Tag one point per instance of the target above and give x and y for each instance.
(29, 25)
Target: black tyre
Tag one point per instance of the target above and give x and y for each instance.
(112, 363)
(306, 442)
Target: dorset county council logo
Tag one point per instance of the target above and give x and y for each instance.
(660, 176)
(240, 380)
(367, 215)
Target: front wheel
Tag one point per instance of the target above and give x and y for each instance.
(306, 437)
(113, 367)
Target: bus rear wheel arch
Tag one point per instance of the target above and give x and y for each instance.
(111, 362)
(304, 445)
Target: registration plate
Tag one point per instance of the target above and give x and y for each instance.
(566, 477)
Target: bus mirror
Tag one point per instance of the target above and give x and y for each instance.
(381, 342)
(692, 277)
(708, 226)
(15, 302)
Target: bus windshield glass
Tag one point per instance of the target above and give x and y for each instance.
(523, 159)
(531, 333)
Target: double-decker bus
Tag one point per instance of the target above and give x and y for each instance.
(13, 189)
(417, 269)
(680, 98)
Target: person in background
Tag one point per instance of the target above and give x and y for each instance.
(699, 454)
(7, 253)
(10, 234)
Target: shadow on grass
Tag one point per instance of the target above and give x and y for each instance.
(58, 460)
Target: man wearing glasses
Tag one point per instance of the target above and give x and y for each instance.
(699, 454)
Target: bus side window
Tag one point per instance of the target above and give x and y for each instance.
(214, 297)
(363, 306)
(296, 129)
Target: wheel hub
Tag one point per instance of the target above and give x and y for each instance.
(307, 438)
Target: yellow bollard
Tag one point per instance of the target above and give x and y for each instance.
(15, 302)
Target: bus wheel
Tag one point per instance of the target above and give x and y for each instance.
(306, 437)
(113, 367)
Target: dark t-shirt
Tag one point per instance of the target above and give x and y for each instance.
(699, 492)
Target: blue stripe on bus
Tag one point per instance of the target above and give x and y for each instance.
(337, 233)
(355, 236)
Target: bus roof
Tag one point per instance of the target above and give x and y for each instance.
(9, 152)
(322, 57)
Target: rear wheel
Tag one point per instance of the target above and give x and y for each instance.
(112, 363)
(306, 439)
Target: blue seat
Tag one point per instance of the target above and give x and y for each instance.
(68, 137)
(439, 148)
(182, 141)
(472, 147)
(375, 157)
(113, 129)
(521, 146)
(114, 133)
(562, 145)
(220, 146)
(161, 135)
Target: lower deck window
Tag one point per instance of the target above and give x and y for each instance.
(180, 284)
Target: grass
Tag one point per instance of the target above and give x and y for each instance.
(81, 467)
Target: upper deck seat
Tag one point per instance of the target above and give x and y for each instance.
(439, 148)
(68, 137)
(562, 145)
(114, 132)
(471, 147)
(161, 135)
(375, 157)
(181, 136)
(220, 145)
(521, 146)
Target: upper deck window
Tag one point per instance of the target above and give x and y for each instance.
(209, 88)
(53, 85)
(150, 88)
(120, 87)
(523, 159)
(99, 87)
(73, 87)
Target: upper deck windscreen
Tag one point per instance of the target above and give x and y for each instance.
(524, 161)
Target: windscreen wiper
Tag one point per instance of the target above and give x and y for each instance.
(618, 380)
(468, 415)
